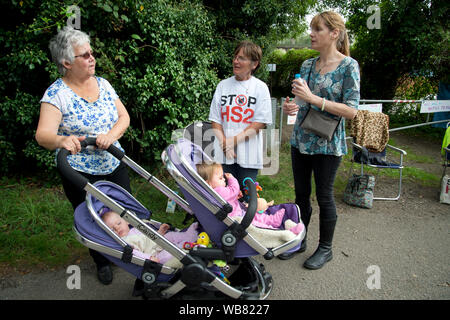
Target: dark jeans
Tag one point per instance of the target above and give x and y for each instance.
(77, 196)
(325, 168)
(240, 173)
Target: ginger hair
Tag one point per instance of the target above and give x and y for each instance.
(206, 170)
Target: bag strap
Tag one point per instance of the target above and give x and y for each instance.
(309, 77)
(359, 183)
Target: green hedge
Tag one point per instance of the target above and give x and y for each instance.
(163, 57)
(158, 55)
(288, 63)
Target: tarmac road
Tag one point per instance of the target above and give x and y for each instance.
(398, 250)
(409, 253)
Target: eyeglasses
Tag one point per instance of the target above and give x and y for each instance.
(240, 58)
(86, 55)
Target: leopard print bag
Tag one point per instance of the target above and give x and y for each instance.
(370, 130)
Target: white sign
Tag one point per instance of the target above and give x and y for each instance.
(271, 67)
(377, 107)
(429, 106)
(291, 119)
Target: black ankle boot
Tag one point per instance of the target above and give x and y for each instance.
(104, 274)
(323, 253)
(288, 255)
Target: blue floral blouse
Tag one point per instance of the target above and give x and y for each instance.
(341, 85)
(83, 118)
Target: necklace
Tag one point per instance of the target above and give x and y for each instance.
(321, 67)
(325, 64)
(239, 82)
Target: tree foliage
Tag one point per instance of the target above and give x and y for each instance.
(288, 63)
(412, 39)
(163, 57)
(262, 21)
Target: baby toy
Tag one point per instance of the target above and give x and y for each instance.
(262, 205)
(222, 276)
(258, 187)
(202, 241)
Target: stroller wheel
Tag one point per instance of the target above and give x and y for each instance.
(228, 239)
(148, 278)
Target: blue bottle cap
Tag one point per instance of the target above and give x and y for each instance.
(297, 76)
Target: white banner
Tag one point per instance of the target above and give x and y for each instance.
(376, 107)
(430, 106)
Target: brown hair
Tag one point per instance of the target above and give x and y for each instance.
(206, 170)
(334, 21)
(250, 50)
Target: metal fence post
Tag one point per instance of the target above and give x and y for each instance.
(271, 126)
(281, 118)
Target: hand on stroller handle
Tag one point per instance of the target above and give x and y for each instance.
(67, 171)
(235, 240)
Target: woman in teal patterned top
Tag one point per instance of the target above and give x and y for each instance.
(330, 83)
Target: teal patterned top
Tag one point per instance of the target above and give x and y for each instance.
(340, 85)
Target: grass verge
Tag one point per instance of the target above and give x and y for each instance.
(36, 218)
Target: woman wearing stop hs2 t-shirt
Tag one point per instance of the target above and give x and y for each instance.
(240, 109)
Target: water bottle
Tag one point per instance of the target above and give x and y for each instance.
(298, 101)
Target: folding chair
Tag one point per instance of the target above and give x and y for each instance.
(446, 163)
(446, 150)
(380, 161)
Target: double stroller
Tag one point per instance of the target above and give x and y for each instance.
(197, 274)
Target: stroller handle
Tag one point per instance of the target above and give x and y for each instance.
(70, 173)
(253, 204)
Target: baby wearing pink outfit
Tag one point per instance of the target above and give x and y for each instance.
(214, 176)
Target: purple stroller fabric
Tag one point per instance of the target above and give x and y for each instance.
(89, 229)
(214, 227)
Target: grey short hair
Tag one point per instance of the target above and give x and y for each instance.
(61, 46)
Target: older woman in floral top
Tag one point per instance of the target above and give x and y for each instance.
(330, 83)
(77, 106)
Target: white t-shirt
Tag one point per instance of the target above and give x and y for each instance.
(235, 105)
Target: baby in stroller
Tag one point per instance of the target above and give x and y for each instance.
(197, 276)
(227, 187)
(144, 247)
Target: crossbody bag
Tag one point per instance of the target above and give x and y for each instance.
(317, 122)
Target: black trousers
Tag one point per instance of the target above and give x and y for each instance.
(325, 168)
(77, 196)
(240, 173)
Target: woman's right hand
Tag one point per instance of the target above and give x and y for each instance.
(71, 143)
(290, 107)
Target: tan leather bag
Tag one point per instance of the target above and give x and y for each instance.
(370, 130)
